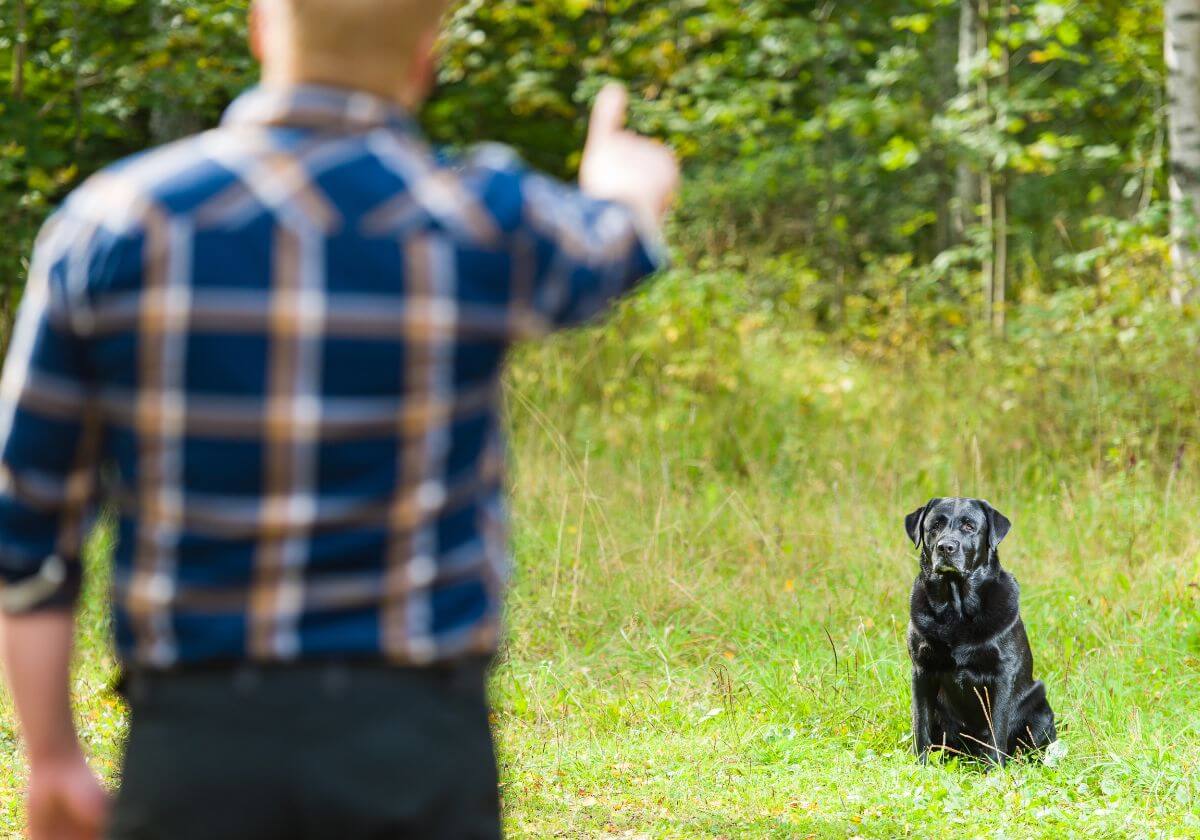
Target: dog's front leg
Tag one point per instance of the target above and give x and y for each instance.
(924, 695)
(998, 703)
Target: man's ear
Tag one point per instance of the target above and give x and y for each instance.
(998, 524)
(915, 520)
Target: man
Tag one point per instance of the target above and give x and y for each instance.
(282, 342)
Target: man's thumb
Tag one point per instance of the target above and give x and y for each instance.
(608, 114)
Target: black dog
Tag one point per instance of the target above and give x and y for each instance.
(973, 690)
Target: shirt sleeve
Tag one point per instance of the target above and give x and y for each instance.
(48, 429)
(578, 254)
(570, 256)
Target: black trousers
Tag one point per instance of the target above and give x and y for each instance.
(310, 752)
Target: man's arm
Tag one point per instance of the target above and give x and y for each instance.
(64, 799)
(48, 442)
(37, 659)
(619, 165)
(578, 248)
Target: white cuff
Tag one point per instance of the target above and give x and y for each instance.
(23, 596)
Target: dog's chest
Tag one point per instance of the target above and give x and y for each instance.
(964, 666)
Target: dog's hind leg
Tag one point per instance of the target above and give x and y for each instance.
(1035, 729)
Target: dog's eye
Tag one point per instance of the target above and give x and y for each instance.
(968, 527)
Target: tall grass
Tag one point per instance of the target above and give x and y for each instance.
(711, 599)
(708, 615)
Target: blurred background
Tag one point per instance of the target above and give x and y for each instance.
(928, 164)
(924, 248)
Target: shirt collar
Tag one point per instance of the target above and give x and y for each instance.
(316, 106)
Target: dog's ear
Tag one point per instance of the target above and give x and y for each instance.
(916, 519)
(998, 524)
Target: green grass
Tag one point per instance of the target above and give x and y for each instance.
(707, 622)
(705, 652)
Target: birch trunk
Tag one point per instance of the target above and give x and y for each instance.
(828, 156)
(986, 191)
(1183, 94)
(1000, 200)
(938, 163)
(967, 182)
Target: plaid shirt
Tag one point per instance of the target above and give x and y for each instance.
(276, 348)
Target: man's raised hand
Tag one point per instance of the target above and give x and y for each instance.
(619, 165)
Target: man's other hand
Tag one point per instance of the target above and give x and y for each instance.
(619, 165)
(66, 801)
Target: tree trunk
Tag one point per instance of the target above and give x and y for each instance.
(967, 182)
(1000, 195)
(938, 163)
(1183, 95)
(828, 156)
(986, 184)
(1000, 261)
(988, 269)
(19, 51)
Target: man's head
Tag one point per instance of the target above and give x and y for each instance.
(382, 46)
(956, 536)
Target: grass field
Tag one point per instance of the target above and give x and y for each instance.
(707, 625)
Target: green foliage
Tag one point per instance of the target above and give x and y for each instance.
(102, 79)
(837, 133)
(830, 131)
(708, 618)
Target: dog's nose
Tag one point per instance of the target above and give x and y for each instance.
(948, 547)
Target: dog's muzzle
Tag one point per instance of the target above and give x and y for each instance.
(947, 570)
(943, 563)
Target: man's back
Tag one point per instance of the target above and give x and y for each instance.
(287, 336)
(280, 344)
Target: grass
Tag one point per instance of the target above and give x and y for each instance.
(707, 621)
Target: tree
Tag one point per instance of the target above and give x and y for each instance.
(967, 193)
(19, 50)
(1183, 94)
(837, 133)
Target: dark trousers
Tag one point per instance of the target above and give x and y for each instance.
(311, 751)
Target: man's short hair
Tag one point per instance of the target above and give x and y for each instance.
(367, 28)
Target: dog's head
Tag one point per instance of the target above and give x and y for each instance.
(956, 537)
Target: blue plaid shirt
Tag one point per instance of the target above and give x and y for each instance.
(276, 349)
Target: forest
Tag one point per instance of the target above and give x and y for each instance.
(973, 154)
(924, 248)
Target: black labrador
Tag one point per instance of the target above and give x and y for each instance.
(973, 690)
